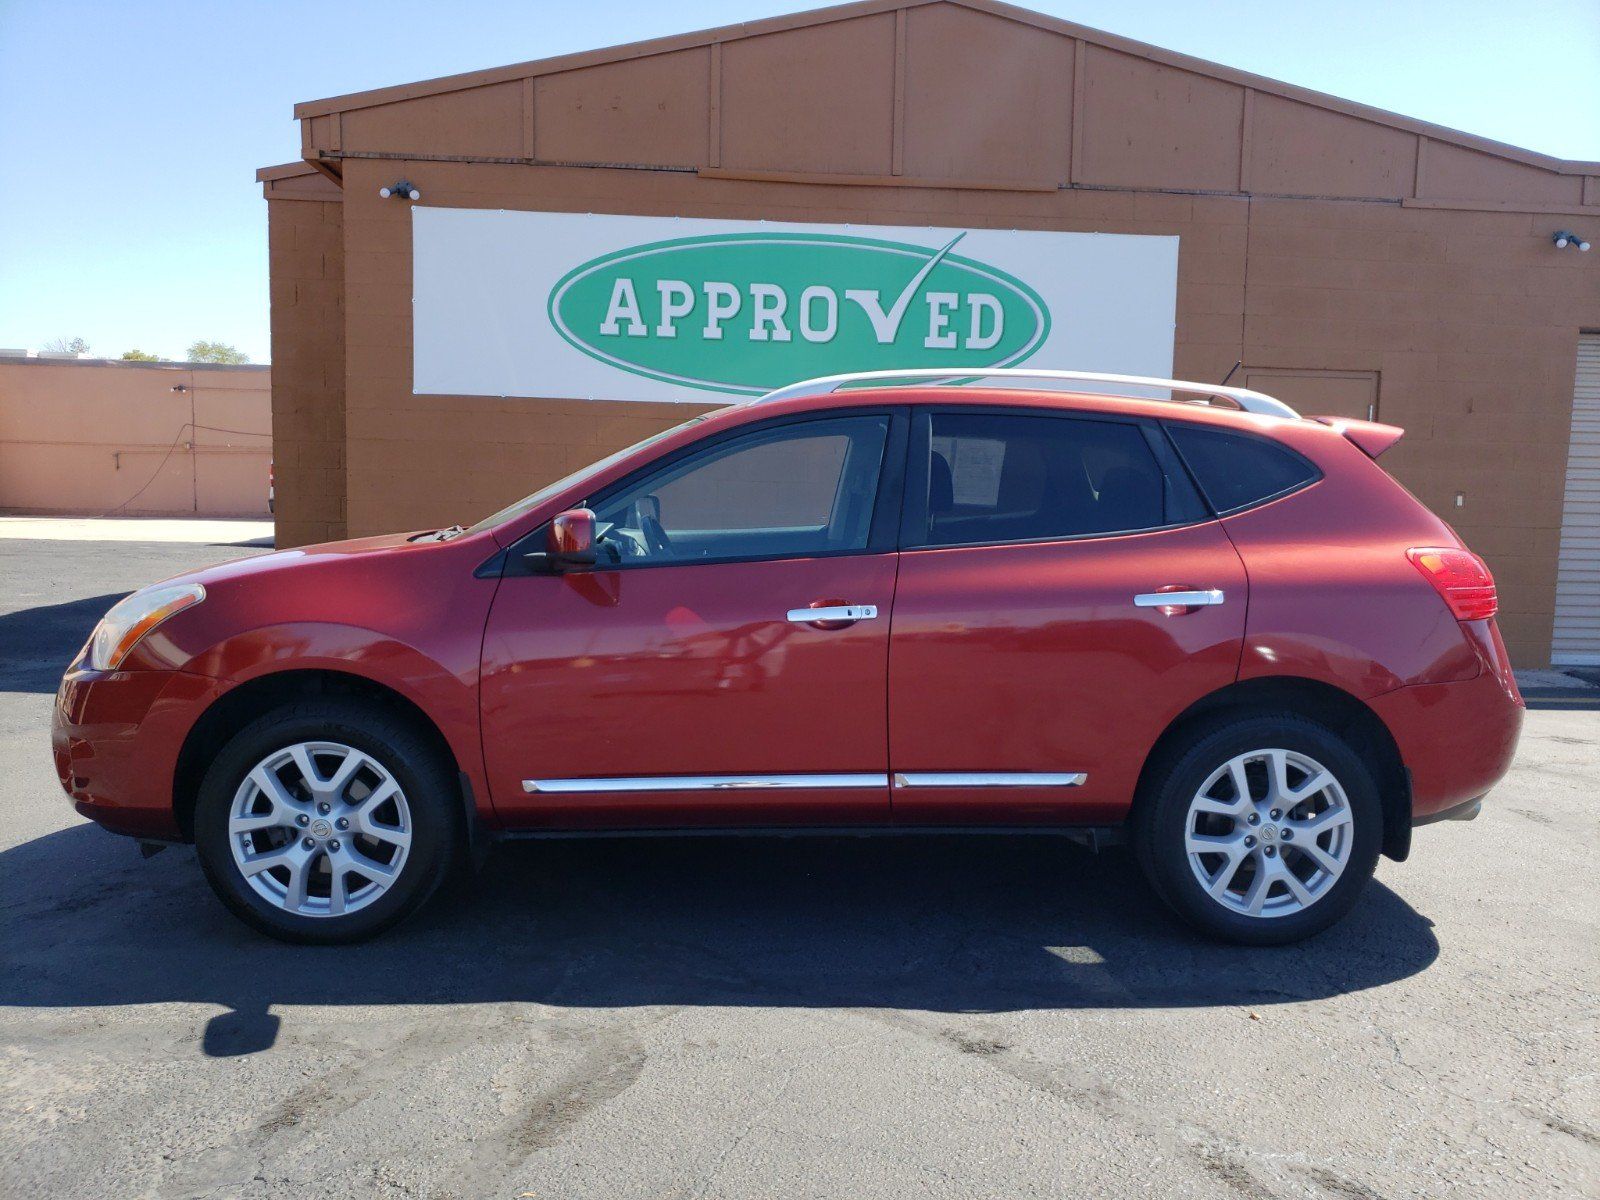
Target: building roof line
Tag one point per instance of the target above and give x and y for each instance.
(288, 170)
(598, 57)
(860, 8)
(131, 364)
(1287, 91)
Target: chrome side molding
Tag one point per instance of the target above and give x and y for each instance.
(698, 783)
(979, 779)
(717, 783)
(1195, 599)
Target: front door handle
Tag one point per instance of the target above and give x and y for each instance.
(1194, 598)
(833, 616)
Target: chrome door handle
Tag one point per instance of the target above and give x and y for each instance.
(836, 612)
(1194, 599)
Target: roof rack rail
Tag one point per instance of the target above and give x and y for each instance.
(1248, 401)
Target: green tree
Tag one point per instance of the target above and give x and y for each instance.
(216, 352)
(139, 356)
(63, 345)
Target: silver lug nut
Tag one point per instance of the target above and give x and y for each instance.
(1249, 841)
(1270, 851)
(309, 843)
(1254, 818)
(333, 845)
(1276, 814)
(324, 808)
(342, 823)
(302, 819)
(1288, 835)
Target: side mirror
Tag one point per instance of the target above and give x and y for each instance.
(569, 541)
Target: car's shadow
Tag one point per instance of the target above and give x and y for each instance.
(952, 924)
(265, 542)
(36, 644)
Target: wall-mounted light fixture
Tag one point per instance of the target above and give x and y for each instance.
(404, 190)
(1564, 238)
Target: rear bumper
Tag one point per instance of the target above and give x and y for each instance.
(1456, 740)
(115, 737)
(1461, 812)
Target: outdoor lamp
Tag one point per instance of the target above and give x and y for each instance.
(404, 190)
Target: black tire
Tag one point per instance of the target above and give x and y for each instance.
(1162, 811)
(407, 753)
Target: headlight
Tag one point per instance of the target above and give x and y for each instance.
(134, 616)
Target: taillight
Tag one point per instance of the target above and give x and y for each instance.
(1461, 577)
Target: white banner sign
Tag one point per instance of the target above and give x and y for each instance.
(561, 305)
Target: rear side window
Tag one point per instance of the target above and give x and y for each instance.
(1001, 477)
(1235, 471)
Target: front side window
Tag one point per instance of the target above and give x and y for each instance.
(790, 491)
(1000, 477)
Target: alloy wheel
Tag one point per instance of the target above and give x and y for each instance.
(1269, 833)
(319, 829)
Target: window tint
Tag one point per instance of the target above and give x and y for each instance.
(795, 490)
(1236, 471)
(998, 477)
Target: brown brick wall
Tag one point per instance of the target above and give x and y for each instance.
(1471, 322)
(1343, 254)
(417, 461)
(306, 249)
(1467, 320)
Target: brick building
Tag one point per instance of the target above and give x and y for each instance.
(1357, 262)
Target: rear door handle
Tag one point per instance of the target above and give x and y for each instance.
(834, 615)
(1199, 598)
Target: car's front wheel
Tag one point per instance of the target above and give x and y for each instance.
(326, 821)
(1260, 830)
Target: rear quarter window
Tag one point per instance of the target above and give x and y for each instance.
(1236, 470)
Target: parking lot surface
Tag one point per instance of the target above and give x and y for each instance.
(948, 1017)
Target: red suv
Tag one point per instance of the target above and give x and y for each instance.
(1225, 634)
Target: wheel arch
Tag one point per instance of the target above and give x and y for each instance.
(240, 705)
(1344, 713)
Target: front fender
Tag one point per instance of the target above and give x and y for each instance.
(441, 680)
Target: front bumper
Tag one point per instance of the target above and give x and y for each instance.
(116, 737)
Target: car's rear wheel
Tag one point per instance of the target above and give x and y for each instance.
(1260, 830)
(326, 821)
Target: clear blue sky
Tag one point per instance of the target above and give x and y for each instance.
(131, 131)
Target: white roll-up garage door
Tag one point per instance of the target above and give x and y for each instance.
(1577, 631)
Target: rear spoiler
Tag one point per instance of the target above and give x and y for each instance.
(1370, 436)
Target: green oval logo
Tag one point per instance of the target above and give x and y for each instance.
(749, 312)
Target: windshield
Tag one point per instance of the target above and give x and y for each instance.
(512, 511)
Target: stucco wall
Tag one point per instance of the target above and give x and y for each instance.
(93, 437)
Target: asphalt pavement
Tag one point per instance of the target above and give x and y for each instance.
(947, 1017)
